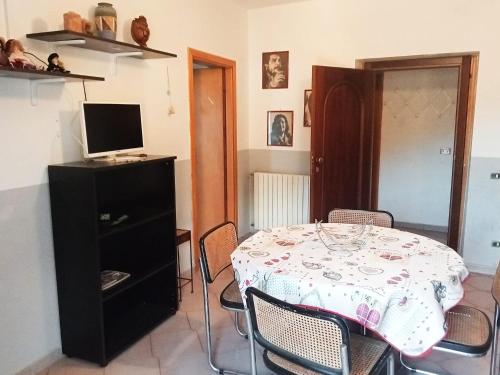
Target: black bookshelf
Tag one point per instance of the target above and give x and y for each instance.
(97, 325)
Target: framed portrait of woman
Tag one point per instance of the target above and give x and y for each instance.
(280, 128)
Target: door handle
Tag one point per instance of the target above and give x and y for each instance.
(320, 160)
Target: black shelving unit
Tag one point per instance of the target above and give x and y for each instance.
(97, 325)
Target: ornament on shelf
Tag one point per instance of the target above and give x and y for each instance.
(140, 31)
(56, 65)
(105, 21)
(14, 51)
(4, 59)
(74, 22)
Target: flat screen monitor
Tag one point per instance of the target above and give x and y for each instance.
(111, 128)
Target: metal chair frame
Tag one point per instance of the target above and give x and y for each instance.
(207, 278)
(495, 292)
(345, 353)
(387, 214)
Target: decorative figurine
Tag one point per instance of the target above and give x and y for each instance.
(140, 31)
(105, 21)
(74, 22)
(15, 53)
(56, 65)
(4, 60)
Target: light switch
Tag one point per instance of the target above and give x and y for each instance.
(445, 151)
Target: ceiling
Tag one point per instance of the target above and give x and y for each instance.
(252, 4)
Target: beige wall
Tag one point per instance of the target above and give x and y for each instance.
(337, 32)
(34, 136)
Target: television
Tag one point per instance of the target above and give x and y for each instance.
(110, 129)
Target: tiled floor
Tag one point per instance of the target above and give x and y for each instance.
(435, 235)
(178, 345)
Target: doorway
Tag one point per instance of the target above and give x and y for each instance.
(465, 65)
(212, 101)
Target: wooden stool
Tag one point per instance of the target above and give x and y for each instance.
(184, 235)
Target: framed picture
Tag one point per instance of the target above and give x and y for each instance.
(280, 128)
(275, 70)
(307, 108)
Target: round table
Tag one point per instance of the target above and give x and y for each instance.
(397, 284)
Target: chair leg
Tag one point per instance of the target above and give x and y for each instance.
(237, 324)
(390, 364)
(252, 342)
(494, 347)
(414, 369)
(208, 330)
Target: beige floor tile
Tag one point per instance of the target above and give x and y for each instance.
(224, 339)
(142, 366)
(168, 346)
(480, 282)
(194, 363)
(140, 350)
(177, 322)
(218, 317)
(479, 299)
(67, 366)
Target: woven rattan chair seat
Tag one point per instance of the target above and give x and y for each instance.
(379, 218)
(469, 331)
(230, 297)
(367, 354)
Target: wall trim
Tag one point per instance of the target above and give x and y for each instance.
(480, 268)
(43, 363)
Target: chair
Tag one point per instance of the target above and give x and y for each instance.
(301, 341)
(346, 216)
(216, 246)
(468, 334)
(495, 291)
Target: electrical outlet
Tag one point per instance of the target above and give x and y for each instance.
(495, 244)
(495, 176)
(445, 151)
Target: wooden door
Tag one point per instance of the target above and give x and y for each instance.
(345, 140)
(210, 146)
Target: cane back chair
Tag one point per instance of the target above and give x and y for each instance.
(216, 246)
(301, 341)
(346, 216)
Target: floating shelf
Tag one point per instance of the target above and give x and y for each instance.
(43, 75)
(38, 77)
(91, 42)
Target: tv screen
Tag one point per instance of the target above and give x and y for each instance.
(111, 128)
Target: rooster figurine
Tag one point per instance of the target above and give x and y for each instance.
(140, 31)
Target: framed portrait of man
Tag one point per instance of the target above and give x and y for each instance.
(307, 108)
(275, 70)
(280, 128)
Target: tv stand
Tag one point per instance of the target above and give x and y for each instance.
(98, 321)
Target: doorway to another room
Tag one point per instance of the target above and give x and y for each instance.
(212, 94)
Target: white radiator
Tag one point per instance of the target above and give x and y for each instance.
(280, 199)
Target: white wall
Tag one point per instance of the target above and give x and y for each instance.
(337, 32)
(34, 136)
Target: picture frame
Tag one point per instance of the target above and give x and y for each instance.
(280, 128)
(307, 108)
(275, 70)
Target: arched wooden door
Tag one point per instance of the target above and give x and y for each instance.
(345, 140)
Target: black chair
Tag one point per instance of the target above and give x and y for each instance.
(495, 291)
(301, 341)
(216, 246)
(346, 216)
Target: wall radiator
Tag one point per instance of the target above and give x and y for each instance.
(280, 199)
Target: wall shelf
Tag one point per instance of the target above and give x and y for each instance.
(43, 75)
(38, 77)
(91, 42)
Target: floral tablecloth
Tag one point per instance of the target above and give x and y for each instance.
(395, 283)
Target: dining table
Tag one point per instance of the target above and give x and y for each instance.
(397, 284)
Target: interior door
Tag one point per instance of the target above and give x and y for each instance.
(210, 147)
(345, 139)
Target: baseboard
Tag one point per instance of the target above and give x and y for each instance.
(480, 268)
(435, 228)
(42, 364)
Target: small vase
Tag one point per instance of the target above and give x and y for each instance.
(105, 21)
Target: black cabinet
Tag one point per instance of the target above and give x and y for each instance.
(113, 216)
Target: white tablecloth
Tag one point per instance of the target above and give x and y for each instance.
(398, 284)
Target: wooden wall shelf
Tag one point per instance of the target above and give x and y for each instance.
(99, 44)
(41, 75)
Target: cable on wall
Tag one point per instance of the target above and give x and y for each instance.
(84, 90)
